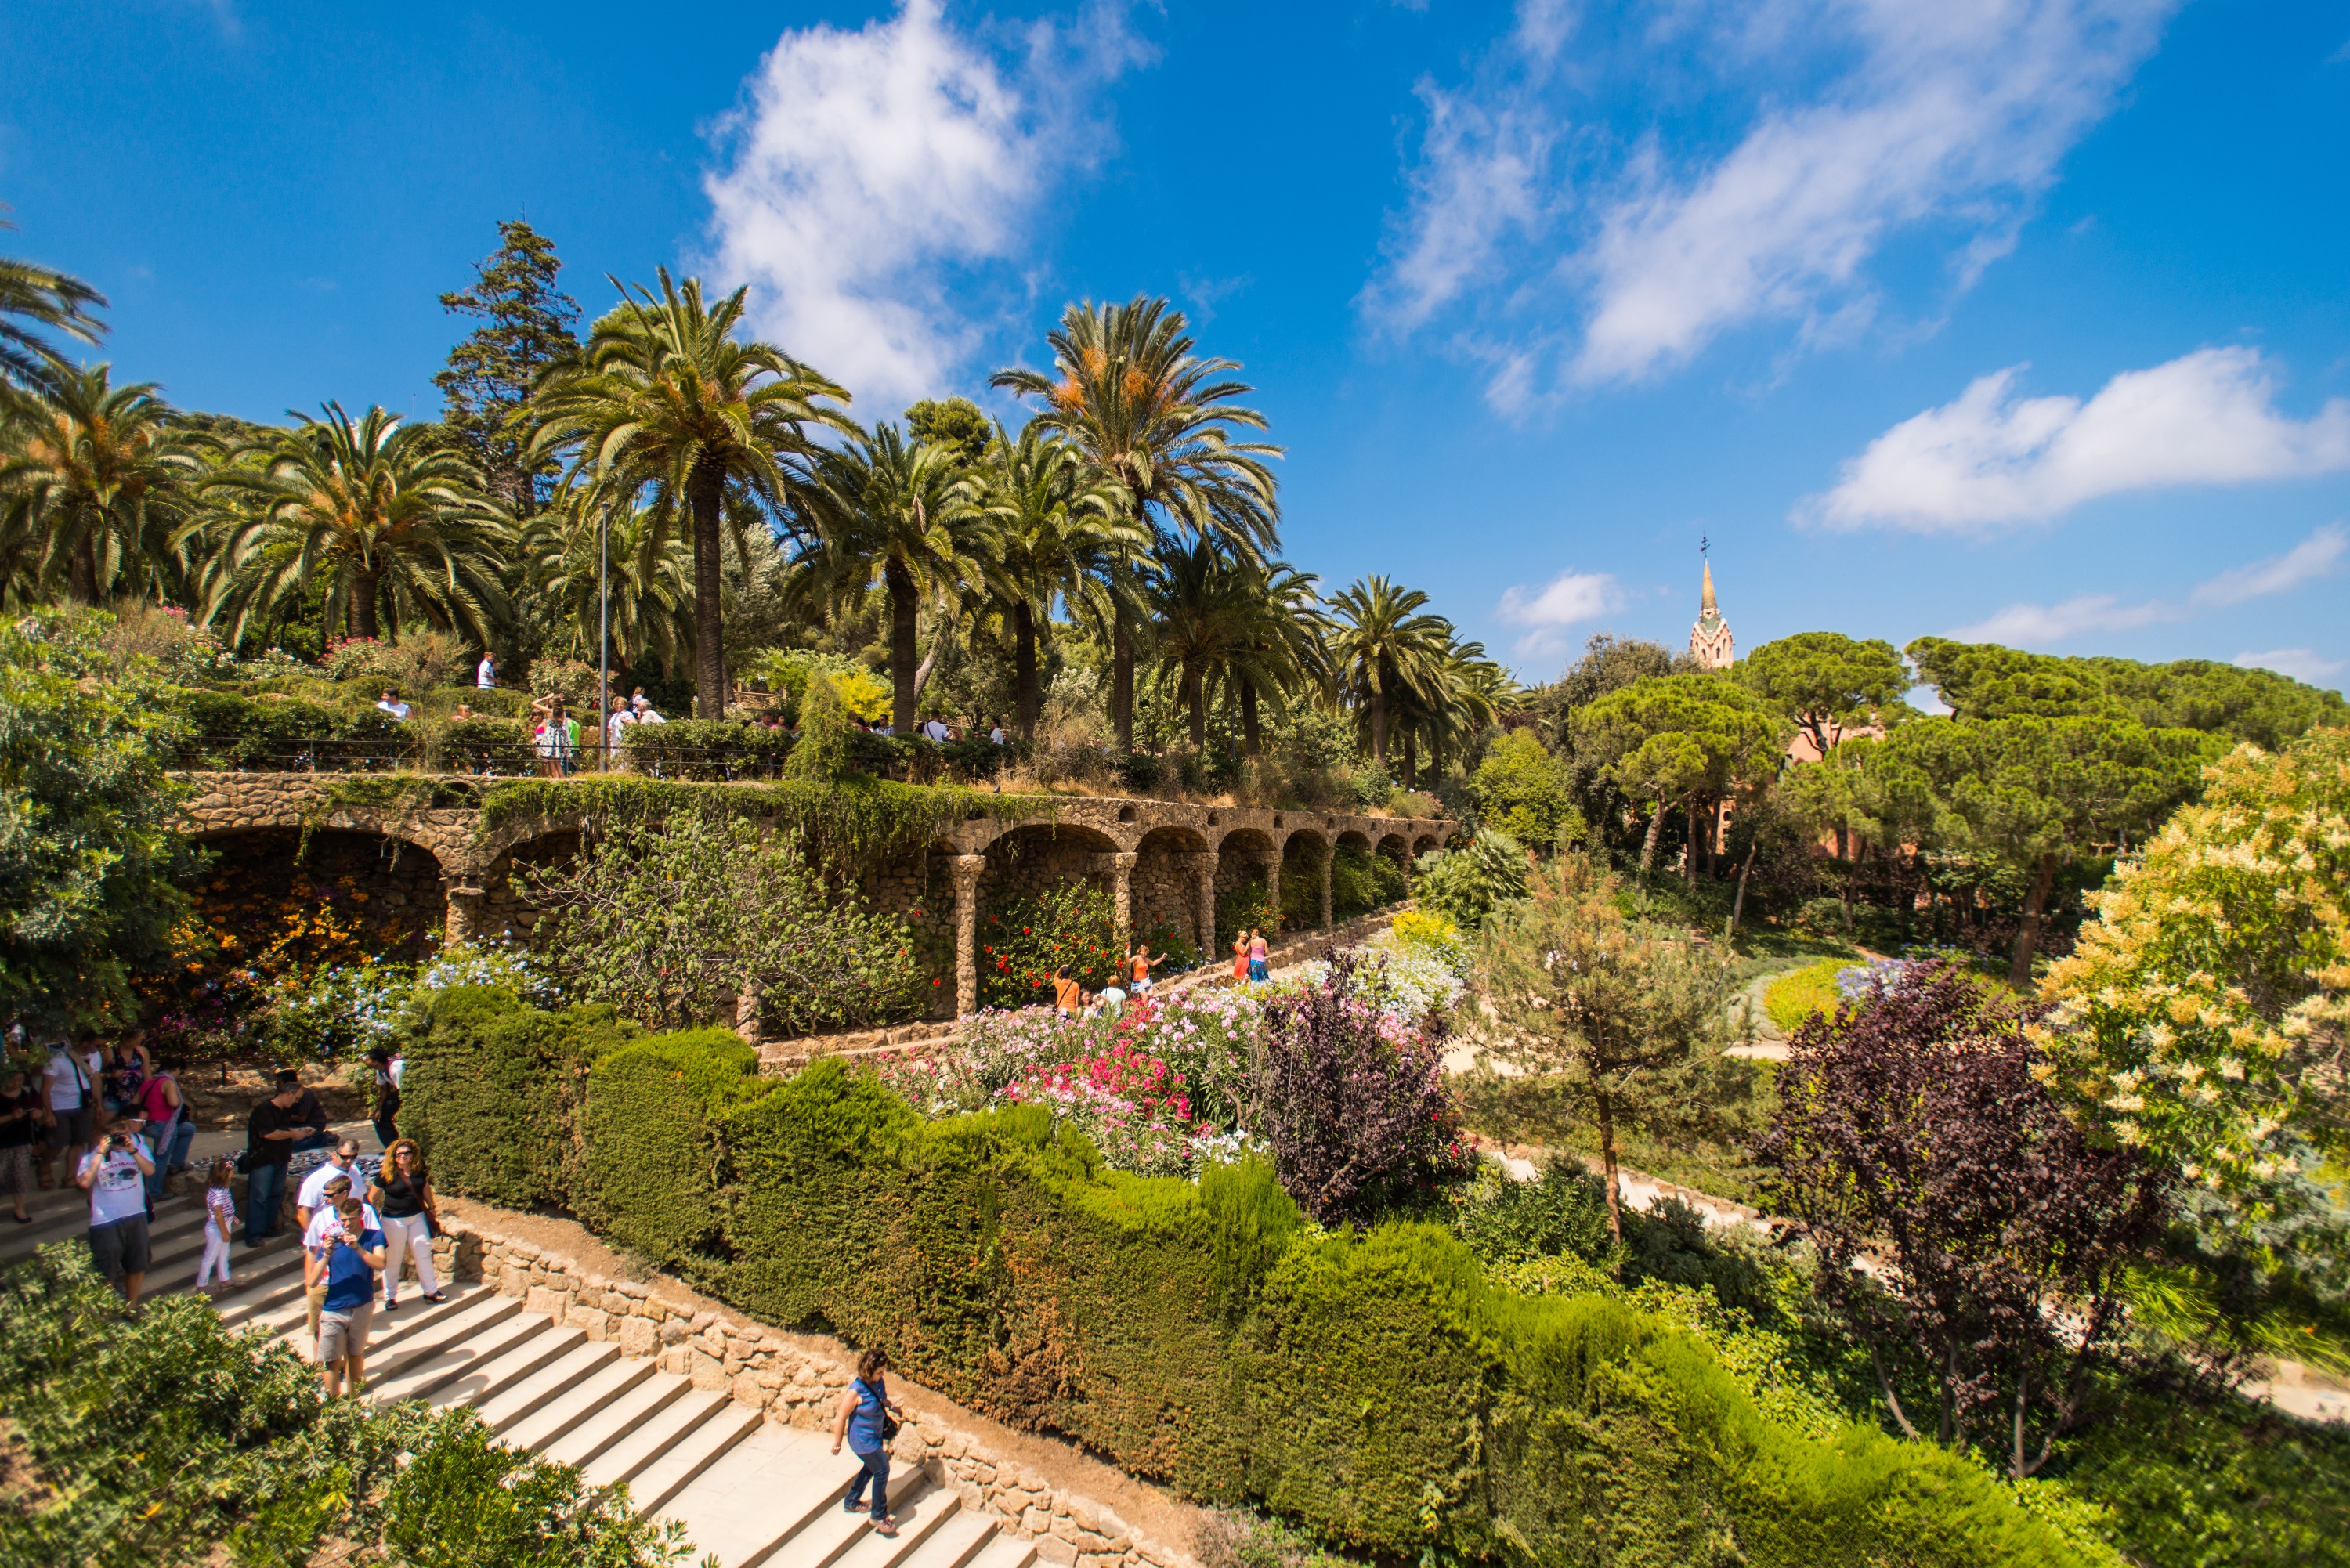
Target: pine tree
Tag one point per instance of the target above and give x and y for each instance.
(526, 327)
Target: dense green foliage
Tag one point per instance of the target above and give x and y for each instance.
(86, 854)
(1984, 681)
(1375, 1386)
(164, 1440)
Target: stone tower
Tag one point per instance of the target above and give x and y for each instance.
(1710, 643)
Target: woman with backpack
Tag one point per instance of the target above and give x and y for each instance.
(865, 1419)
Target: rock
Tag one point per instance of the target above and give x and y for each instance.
(1058, 1552)
(542, 1299)
(706, 1371)
(746, 1391)
(595, 1320)
(639, 1336)
(672, 1332)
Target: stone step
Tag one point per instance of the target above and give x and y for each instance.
(391, 1354)
(829, 1536)
(509, 1405)
(1005, 1550)
(646, 1441)
(480, 1366)
(959, 1541)
(69, 1221)
(596, 1414)
(680, 1463)
(421, 1364)
(762, 1491)
(919, 1520)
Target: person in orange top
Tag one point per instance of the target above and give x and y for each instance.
(1142, 968)
(1240, 955)
(1068, 996)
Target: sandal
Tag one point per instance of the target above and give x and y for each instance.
(437, 1297)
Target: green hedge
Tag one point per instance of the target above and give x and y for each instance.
(1377, 1388)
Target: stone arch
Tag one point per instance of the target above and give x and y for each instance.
(1247, 859)
(1305, 879)
(1170, 887)
(389, 892)
(489, 907)
(1423, 844)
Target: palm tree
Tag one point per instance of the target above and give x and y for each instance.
(1062, 531)
(95, 478)
(639, 554)
(665, 395)
(1235, 625)
(1290, 652)
(384, 517)
(902, 512)
(34, 297)
(1468, 692)
(1127, 390)
(1386, 650)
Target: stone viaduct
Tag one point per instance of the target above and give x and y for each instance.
(1163, 863)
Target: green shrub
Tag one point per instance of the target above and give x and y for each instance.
(1796, 996)
(1027, 939)
(492, 1092)
(706, 748)
(167, 1441)
(1375, 1387)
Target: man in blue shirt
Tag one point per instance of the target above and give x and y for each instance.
(350, 1254)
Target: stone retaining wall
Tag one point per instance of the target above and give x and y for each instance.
(795, 1386)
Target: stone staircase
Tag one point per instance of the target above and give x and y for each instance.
(750, 1491)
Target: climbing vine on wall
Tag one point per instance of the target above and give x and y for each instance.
(856, 822)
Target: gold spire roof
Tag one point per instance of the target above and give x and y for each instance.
(1706, 604)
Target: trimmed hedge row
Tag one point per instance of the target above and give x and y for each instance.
(1375, 1387)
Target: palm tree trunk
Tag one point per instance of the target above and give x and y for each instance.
(1195, 697)
(1410, 759)
(704, 488)
(1024, 665)
(1121, 680)
(2027, 935)
(1379, 728)
(81, 571)
(1252, 732)
(903, 601)
(362, 621)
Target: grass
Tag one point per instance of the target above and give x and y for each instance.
(1795, 997)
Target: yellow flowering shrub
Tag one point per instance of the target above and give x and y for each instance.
(2202, 1013)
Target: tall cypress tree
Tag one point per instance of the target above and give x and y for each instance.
(525, 326)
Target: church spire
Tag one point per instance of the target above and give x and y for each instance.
(1710, 647)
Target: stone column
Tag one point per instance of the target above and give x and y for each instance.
(1208, 949)
(1272, 883)
(746, 1015)
(967, 868)
(466, 912)
(1329, 858)
(1121, 897)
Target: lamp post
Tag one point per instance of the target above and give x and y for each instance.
(604, 629)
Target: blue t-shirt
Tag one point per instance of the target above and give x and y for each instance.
(865, 1423)
(350, 1282)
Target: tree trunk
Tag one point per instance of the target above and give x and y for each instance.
(1738, 904)
(1689, 850)
(362, 622)
(704, 488)
(1252, 732)
(81, 571)
(2027, 935)
(1379, 728)
(1607, 1161)
(903, 601)
(1195, 698)
(1121, 680)
(1648, 845)
(1023, 666)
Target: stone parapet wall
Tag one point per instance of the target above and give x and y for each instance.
(795, 1386)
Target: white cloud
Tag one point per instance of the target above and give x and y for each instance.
(2037, 625)
(869, 171)
(2301, 663)
(1569, 598)
(1853, 121)
(1991, 458)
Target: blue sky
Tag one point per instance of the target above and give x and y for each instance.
(2028, 323)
